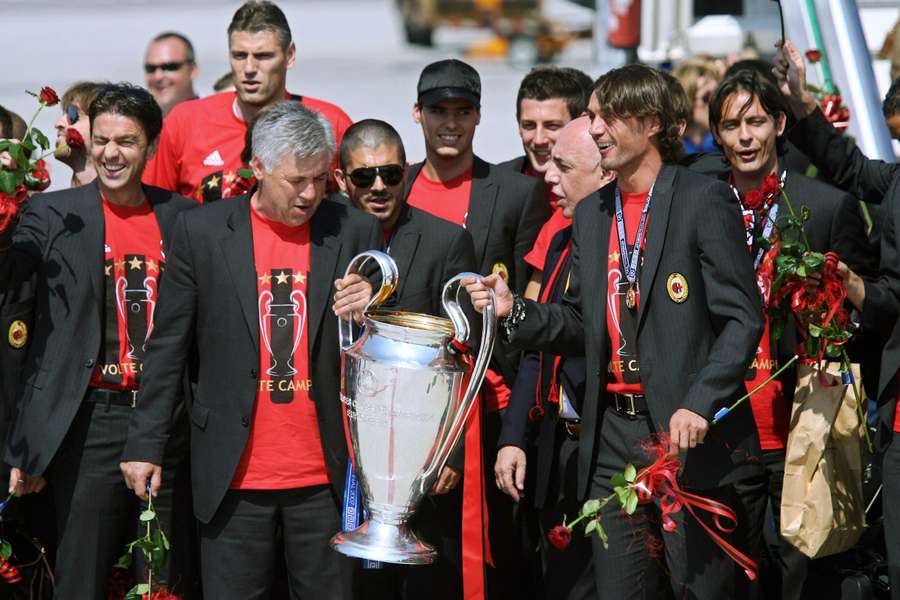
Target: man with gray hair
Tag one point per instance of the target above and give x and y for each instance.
(245, 307)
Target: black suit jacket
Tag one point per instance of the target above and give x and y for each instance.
(517, 164)
(877, 182)
(60, 238)
(208, 301)
(16, 308)
(693, 354)
(506, 212)
(570, 375)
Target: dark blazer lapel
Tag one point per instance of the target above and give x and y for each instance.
(237, 246)
(92, 236)
(165, 216)
(481, 207)
(596, 239)
(661, 202)
(324, 254)
(403, 247)
(411, 178)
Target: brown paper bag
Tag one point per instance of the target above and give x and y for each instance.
(822, 507)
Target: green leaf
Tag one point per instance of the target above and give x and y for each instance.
(41, 139)
(801, 270)
(8, 181)
(5, 144)
(812, 347)
(591, 527)
(604, 539)
(590, 507)
(631, 503)
(833, 352)
(618, 480)
(630, 473)
(805, 213)
(18, 154)
(622, 494)
(5, 549)
(28, 145)
(815, 330)
(124, 561)
(814, 260)
(148, 515)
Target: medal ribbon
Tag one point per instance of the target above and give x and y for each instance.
(351, 513)
(630, 264)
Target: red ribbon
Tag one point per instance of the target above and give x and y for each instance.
(476, 550)
(659, 480)
(9, 573)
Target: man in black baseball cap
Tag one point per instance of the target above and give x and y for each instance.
(508, 209)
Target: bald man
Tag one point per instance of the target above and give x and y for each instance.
(549, 389)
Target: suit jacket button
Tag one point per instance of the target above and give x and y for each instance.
(252, 373)
(245, 421)
(89, 363)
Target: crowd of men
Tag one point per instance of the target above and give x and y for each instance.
(172, 322)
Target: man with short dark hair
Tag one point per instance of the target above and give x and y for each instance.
(170, 69)
(99, 252)
(199, 153)
(662, 301)
(747, 116)
(246, 304)
(503, 212)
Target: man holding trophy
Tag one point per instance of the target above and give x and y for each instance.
(245, 306)
(681, 269)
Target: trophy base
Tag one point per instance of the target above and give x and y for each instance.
(386, 543)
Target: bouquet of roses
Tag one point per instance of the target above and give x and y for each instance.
(829, 98)
(28, 171)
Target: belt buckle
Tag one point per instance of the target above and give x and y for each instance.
(624, 403)
(134, 394)
(630, 409)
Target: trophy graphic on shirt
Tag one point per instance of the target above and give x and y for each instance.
(136, 302)
(282, 315)
(406, 389)
(618, 288)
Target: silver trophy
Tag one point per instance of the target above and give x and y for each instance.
(406, 394)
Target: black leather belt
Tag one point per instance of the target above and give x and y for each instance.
(630, 405)
(117, 397)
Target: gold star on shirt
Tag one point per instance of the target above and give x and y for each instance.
(229, 177)
(299, 278)
(213, 182)
(282, 277)
(151, 266)
(265, 279)
(614, 256)
(120, 264)
(135, 263)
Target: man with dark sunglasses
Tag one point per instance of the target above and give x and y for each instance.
(73, 131)
(428, 251)
(170, 69)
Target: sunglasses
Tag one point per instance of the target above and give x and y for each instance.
(169, 66)
(72, 114)
(365, 176)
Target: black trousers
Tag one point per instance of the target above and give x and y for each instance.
(567, 574)
(96, 515)
(782, 569)
(641, 556)
(438, 521)
(890, 473)
(239, 547)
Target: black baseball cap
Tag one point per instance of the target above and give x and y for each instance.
(449, 79)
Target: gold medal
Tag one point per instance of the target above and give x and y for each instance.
(18, 334)
(631, 297)
(677, 286)
(501, 270)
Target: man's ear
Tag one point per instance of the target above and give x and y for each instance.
(291, 54)
(652, 126)
(151, 149)
(780, 124)
(258, 171)
(417, 113)
(341, 181)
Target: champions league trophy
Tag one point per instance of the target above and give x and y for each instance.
(406, 394)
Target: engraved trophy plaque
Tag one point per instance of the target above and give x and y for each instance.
(406, 394)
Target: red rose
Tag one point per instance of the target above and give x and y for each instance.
(813, 55)
(752, 200)
(771, 186)
(74, 139)
(48, 96)
(559, 537)
(39, 177)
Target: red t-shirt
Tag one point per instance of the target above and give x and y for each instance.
(623, 370)
(284, 449)
(770, 410)
(551, 197)
(200, 147)
(449, 200)
(133, 260)
(538, 254)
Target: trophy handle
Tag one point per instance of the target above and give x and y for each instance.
(450, 302)
(389, 276)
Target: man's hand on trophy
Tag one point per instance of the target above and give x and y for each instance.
(21, 483)
(448, 480)
(481, 297)
(137, 474)
(353, 294)
(509, 471)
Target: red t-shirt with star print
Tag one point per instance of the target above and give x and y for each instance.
(133, 261)
(624, 369)
(284, 450)
(199, 153)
